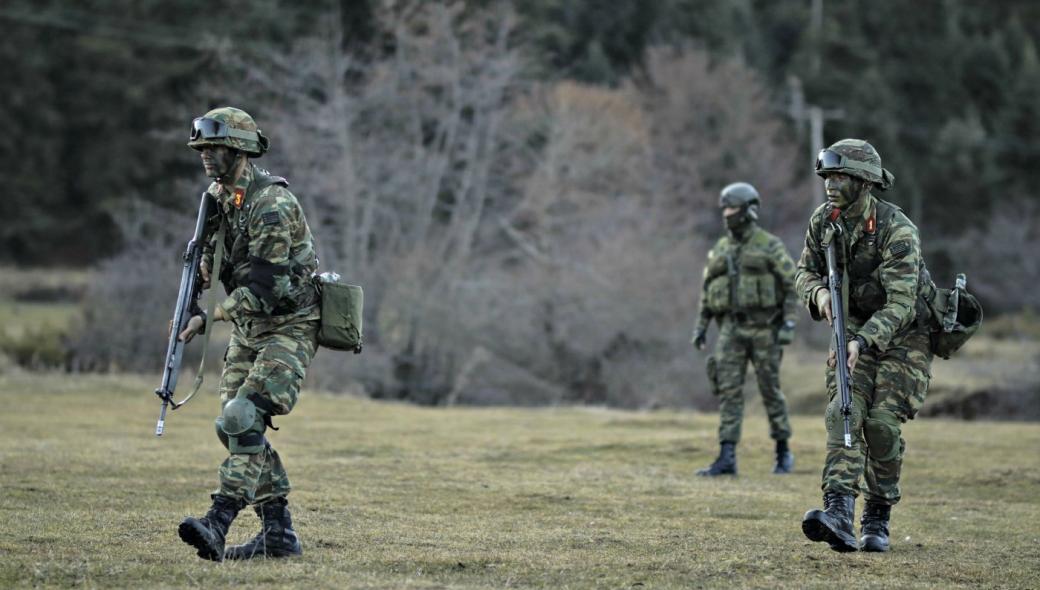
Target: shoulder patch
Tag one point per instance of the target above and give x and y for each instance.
(270, 218)
(899, 249)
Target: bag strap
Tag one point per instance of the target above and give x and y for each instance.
(211, 304)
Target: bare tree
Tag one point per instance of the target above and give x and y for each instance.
(713, 125)
(518, 242)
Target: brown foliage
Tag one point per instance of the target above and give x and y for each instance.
(518, 243)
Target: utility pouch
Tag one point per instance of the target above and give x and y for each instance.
(955, 317)
(341, 312)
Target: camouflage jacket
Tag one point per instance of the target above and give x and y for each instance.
(879, 252)
(269, 253)
(752, 274)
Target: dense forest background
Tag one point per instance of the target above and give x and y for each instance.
(525, 189)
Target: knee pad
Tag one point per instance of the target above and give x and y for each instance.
(244, 427)
(223, 436)
(881, 429)
(835, 422)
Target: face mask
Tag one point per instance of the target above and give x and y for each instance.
(737, 220)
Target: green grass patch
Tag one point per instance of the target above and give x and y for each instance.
(35, 334)
(19, 319)
(396, 496)
(43, 284)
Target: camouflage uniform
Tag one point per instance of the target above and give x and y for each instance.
(878, 253)
(273, 307)
(266, 268)
(764, 275)
(890, 380)
(748, 288)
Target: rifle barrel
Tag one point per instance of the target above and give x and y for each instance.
(838, 329)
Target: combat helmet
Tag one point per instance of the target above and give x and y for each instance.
(229, 127)
(857, 158)
(742, 195)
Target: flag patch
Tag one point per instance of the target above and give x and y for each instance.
(270, 218)
(899, 249)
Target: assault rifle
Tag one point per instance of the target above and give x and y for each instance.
(187, 306)
(841, 370)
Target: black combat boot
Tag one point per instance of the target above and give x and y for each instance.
(207, 534)
(784, 458)
(874, 527)
(276, 537)
(834, 523)
(725, 464)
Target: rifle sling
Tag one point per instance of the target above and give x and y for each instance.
(211, 304)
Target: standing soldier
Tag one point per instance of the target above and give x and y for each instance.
(273, 307)
(749, 289)
(879, 257)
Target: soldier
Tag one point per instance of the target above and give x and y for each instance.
(749, 289)
(272, 304)
(879, 255)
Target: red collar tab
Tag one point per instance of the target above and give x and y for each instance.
(871, 224)
(240, 197)
(835, 213)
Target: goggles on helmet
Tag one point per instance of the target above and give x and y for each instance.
(833, 161)
(205, 128)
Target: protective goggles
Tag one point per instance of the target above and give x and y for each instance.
(833, 161)
(205, 128)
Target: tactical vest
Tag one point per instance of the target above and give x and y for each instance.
(237, 238)
(739, 278)
(236, 273)
(867, 295)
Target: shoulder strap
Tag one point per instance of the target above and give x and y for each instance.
(263, 180)
(886, 212)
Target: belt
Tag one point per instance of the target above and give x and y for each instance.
(762, 316)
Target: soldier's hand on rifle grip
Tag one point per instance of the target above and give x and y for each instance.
(832, 359)
(204, 273)
(823, 304)
(194, 326)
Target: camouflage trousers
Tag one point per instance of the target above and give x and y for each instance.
(887, 390)
(727, 367)
(269, 369)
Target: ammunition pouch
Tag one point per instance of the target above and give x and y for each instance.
(342, 307)
(717, 295)
(756, 285)
(754, 289)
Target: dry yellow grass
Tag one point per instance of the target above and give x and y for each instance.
(396, 496)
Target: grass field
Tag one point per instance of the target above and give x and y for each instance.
(396, 496)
